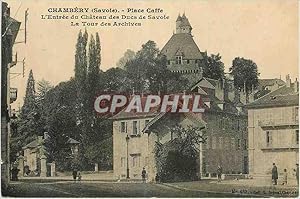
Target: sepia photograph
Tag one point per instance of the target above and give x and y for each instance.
(167, 99)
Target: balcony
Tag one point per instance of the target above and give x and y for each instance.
(278, 124)
(271, 147)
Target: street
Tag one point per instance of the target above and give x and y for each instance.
(102, 189)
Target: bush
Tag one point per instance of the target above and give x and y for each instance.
(179, 167)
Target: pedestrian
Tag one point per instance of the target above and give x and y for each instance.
(285, 176)
(297, 173)
(144, 173)
(157, 179)
(219, 173)
(79, 176)
(274, 174)
(14, 173)
(74, 174)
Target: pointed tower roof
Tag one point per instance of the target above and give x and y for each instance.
(178, 18)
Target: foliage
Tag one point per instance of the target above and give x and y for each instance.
(176, 159)
(128, 55)
(148, 72)
(245, 74)
(27, 123)
(213, 66)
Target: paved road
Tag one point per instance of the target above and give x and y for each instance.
(102, 189)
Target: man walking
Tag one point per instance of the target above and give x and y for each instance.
(144, 175)
(274, 174)
(219, 173)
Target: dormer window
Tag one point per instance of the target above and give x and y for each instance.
(178, 59)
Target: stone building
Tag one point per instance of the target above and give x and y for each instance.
(273, 131)
(9, 28)
(134, 137)
(130, 146)
(226, 122)
(182, 53)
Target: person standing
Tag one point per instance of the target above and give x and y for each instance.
(274, 174)
(144, 175)
(285, 176)
(74, 173)
(219, 173)
(297, 173)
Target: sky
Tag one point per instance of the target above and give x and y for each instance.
(265, 31)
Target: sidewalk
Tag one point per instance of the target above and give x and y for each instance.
(247, 187)
(97, 176)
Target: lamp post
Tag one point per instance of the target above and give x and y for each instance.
(127, 140)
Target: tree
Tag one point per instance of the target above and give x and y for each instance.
(128, 55)
(176, 160)
(148, 72)
(114, 79)
(213, 66)
(29, 100)
(245, 74)
(28, 121)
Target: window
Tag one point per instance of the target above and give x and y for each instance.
(232, 143)
(178, 59)
(239, 143)
(136, 161)
(297, 136)
(123, 127)
(245, 144)
(169, 62)
(268, 138)
(134, 128)
(213, 142)
(122, 161)
(187, 61)
(207, 143)
(220, 142)
(297, 114)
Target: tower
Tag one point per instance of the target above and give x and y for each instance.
(183, 25)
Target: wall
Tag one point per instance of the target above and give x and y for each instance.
(282, 148)
(140, 149)
(226, 143)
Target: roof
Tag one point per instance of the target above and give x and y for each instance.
(72, 141)
(183, 42)
(134, 114)
(184, 21)
(270, 82)
(32, 144)
(283, 96)
(14, 27)
(192, 116)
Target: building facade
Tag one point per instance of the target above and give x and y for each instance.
(226, 122)
(10, 29)
(132, 149)
(273, 131)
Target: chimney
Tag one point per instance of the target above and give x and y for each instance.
(288, 81)
(296, 86)
(40, 139)
(201, 72)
